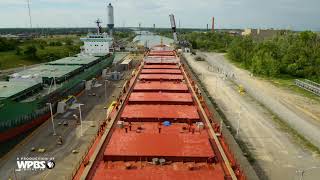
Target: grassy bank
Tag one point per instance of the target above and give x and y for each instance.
(11, 60)
(284, 82)
(39, 50)
(288, 84)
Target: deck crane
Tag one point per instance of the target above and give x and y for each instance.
(174, 28)
(181, 42)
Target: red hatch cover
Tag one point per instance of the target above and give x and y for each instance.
(161, 71)
(161, 86)
(160, 67)
(154, 112)
(160, 76)
(160, 98)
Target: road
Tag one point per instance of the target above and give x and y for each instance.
(275, 151)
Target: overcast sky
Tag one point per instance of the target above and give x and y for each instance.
(294, 14)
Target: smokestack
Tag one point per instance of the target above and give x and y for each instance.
(110, 19)
(212, 24)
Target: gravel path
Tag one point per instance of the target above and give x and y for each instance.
(274, 150)
(302, 113)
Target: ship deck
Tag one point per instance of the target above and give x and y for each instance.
(160, 131)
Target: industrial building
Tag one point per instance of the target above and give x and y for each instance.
(261, 33)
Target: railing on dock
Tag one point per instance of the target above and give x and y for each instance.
(308, 85)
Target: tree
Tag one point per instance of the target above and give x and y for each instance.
(293, 54)
(18, 50)
(68, 42)
(31, 51)
(8, 44)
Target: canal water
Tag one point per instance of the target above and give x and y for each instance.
(149, 39)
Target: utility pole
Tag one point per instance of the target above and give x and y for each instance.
(80, 115)
(238, 126)
(30, 20)
(54, 131)
(303, 171)
(105, 90)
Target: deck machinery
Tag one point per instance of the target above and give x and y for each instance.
(160, 128)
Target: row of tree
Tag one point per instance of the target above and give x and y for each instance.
(293, 54)
(8, 44)
(40, 50)
(43, 54)
(208, 41)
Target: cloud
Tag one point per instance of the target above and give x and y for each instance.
(228, 13)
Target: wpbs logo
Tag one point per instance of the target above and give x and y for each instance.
(50, 164)
(34, 165)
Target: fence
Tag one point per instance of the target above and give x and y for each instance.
(308, 85)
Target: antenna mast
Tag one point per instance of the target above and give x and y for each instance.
(98, 22)
(30, 20)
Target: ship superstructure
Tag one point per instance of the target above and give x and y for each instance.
(100, 43)
(97, 44)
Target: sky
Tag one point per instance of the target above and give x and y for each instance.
(278, 14)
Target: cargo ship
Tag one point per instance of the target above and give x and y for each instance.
(159, 128)
(25, 96)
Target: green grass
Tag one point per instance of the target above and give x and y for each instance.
(288, 84)
(284, 82)
(10, 59)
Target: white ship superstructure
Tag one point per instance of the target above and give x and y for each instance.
(97, 44)
(100, 44)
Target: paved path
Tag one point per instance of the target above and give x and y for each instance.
(300, 112)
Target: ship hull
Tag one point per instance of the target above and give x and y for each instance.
(14, 132)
